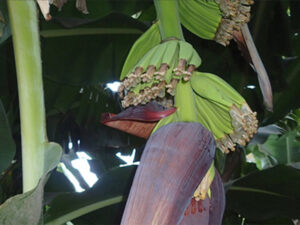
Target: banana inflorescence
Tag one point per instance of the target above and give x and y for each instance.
(214, 19)
(156, 75)
(165, 72)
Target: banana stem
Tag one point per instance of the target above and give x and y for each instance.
(167, 14)
(184, 101)
(24, 24)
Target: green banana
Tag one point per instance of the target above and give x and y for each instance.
(211, 125)
(209, 91)
(232, 93)
(165, 64)
(186, 51)
(200, 20)
(156, 59)
(214, 19)
(148, 40)
(229, 117)
(223, 125)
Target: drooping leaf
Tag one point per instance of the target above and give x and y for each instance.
(112, 188)
(174, 161)
(28, 206)
(266, 194)
(7, 143)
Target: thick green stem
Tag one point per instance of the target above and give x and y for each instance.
(24, 24)
(167, 14)
(185, 102)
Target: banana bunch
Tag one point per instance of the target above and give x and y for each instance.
(214, 19)
(156, 74)
(223, 111)
(209, 100)
(201, 17)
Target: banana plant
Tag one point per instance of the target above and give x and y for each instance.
(166, 74)
(38, 155)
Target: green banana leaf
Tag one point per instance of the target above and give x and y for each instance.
(266, 194)
(28, 206)
(277, 149)
(286, 149)
(111, 189)
(7, 143)
(96, 56)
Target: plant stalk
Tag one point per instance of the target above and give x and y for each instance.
(185, 102)
(25, 33)
(167, 14)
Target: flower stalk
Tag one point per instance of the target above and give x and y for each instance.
(167, 14)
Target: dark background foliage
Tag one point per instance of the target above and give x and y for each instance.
(82, 53)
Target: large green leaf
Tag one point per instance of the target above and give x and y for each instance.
(110, 189)
(267, 194)
(276, 149)
(88, 54)
(7, 144)
(285, 149)
(28, 206)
